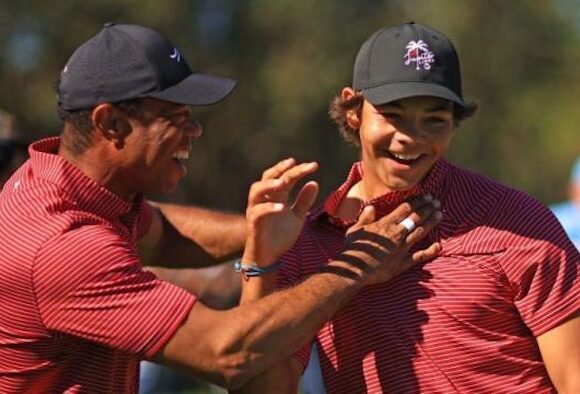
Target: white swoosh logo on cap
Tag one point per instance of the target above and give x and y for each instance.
(175, 55)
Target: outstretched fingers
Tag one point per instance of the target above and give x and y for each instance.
(263, 191)
(278, 169)
(296, 173)
(278, 181)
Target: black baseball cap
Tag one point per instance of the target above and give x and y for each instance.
(129, 61)
(405, 61)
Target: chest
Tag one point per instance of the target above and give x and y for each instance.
(453, 289)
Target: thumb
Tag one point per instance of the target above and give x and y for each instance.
(367, 216)
(430, 253)
(305, 199)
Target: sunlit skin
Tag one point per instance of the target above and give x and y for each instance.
(148, 163)
(417, 126)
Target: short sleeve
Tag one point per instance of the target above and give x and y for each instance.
(541, 265)
(89, 284)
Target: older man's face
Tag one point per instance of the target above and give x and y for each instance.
(156, 149)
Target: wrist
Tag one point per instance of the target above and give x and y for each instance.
(253, 256)
(250, 269)
(352, 265)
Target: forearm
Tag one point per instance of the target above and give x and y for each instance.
(233, 346)
(217, 287)
(196, 237)
(283, 377)
(281, 323)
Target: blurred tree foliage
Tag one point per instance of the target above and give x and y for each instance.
(519, 62)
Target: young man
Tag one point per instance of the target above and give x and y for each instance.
(78, 310)
(496, 311)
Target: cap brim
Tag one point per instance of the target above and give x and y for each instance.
(399, 90)
(198, 89)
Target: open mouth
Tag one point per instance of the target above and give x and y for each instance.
(404, 158)
(181, 156)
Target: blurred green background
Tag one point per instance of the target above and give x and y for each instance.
(520, 60)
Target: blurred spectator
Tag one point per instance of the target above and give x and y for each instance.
(568, 212)
(12, 149)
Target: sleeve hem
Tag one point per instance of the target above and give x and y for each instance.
(184, 313)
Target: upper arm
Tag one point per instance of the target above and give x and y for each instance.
(97, 291)
(541, 265)
(560, 348)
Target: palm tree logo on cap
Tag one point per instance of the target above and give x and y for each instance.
(418, 52)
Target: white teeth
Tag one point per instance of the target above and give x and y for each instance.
(401, 156)
(181, 155)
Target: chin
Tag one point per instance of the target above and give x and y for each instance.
(168, 189)
(162, 189)
(400, 186)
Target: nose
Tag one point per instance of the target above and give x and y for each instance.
(408, 130)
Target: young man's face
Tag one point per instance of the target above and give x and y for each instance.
(402, 140)
(156, 148)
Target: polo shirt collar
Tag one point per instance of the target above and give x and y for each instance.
(90, 195)
(433, 183)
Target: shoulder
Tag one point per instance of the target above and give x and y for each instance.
(84, 251)
(496, 216)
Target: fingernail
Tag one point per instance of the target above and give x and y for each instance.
(278, 207)
(438, 215)
(437, 204)
(428, 197)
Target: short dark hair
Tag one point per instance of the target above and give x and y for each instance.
(81, 124)
(338, 109)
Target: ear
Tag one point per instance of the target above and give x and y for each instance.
(110, 123)
(352, 116)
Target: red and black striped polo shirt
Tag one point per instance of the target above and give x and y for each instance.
(78, 311)
(464, 322)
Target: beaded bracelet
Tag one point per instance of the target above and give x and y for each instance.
(248, 271)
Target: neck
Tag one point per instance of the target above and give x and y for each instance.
(96, 165)
(370, 189)
(350, 206)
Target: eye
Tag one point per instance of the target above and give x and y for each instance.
(438, 120)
